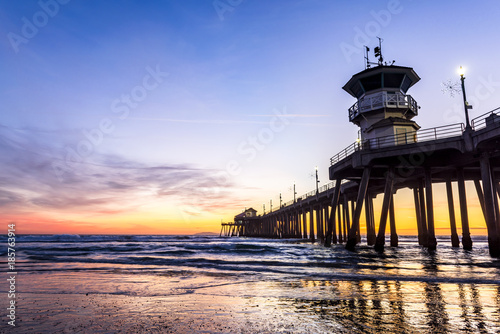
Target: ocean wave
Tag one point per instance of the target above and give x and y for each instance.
(267, 258)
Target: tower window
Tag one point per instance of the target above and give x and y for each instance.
(405, 84)
(393, 80)
(372, 82)
(357, 89)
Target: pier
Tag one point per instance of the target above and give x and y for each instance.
(393, 153)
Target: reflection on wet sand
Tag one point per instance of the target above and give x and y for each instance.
(403, 307)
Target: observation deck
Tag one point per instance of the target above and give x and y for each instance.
(384, 100)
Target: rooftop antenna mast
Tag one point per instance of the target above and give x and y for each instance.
(378, 52)
(367, 64)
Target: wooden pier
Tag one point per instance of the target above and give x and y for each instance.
(383, 164)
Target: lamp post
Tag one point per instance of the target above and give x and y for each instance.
(317, 181)
(461, 71)
(294, 192)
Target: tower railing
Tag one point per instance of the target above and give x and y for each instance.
(382, 100)
(440, 132)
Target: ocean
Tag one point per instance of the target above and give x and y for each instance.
(406, 289)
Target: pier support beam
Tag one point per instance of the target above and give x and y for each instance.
(392, 219)
(495, 201)
(352, 239)
(466, 240)
(358, 230)
(298, 225)
(304, 223)
(431, 240)
(326, 212)
(319, 221)
(423, 213)
(489, 206)
(480, 196)
(342, 222)
(346, 212)
(331, 234)
(451, 208)
(370, 223)
(389, 182)
(417, 215)
(311, 224)
(341, 229)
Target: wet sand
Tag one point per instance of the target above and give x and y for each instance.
(185, 302)
(169, 304)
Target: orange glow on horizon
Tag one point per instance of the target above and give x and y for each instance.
(175, 221)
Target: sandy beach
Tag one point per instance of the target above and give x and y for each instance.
(178, 302)
(115, 303)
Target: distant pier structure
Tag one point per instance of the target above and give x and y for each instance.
(392, 153)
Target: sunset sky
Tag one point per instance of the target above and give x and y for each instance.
(168, 116)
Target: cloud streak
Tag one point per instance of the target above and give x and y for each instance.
(107, 185)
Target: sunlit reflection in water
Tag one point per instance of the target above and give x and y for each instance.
(404, 307)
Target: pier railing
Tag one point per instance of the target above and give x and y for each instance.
(321, 189)
(412, 137)
(483, 120)
(313, 193)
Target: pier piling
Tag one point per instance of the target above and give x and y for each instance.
(431, 237)
(363, 187)
(464, 215)
(451, 209)
(380, 242)
(392, 219)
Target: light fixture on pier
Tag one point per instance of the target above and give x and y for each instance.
(294, 192)
(461, 71)
(317, 180)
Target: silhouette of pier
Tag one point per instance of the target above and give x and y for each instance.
(393, 153)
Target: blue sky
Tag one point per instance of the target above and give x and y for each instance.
(199, 137)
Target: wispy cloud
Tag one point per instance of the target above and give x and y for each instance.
(108, 184)
(233, 121)
(292, 115)
(199, 121)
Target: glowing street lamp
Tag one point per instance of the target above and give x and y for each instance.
(461, 71)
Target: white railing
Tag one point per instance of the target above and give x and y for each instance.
(382, 100)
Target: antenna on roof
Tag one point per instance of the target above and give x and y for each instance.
(378, 52)
(367, 64)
